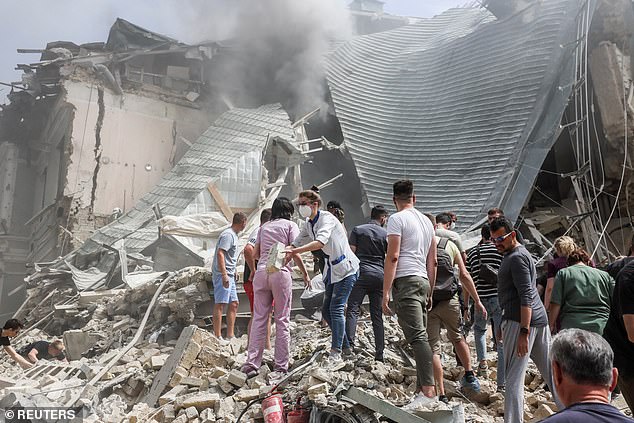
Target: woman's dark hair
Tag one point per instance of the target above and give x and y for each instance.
(579, 255)
(282, 209)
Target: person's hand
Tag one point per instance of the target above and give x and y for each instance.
(306, 281)
(430, 303)
(289, 255)
(386, 305)
(235, 277)
(26, 366)
(482, 309)
(465, 315)
(522, 344)
(250, 280)
(225, 280)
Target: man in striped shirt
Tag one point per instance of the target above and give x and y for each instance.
(485, 254)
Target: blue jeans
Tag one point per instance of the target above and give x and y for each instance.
(480, 329)
(335, 299)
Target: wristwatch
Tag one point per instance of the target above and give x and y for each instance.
(525, 331)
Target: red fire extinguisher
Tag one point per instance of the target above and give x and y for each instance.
(273, 409)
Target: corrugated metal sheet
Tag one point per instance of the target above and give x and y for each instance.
(235, 133)
(465, 105)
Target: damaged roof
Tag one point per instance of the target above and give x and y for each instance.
(465, 105)
(235, 133)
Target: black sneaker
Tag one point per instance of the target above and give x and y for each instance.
(347, 352)
(443, 398)
(379, 358)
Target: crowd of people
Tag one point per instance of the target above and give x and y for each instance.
(413, 266)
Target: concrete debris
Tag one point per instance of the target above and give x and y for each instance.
(179, 372)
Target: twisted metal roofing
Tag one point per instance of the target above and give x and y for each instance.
(235, 133)
(465, 105)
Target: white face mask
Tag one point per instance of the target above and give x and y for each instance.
(305, 210)
(452, 226)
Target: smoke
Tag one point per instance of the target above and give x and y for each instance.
(277, 52)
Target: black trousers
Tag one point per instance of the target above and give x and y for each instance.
(373, 288)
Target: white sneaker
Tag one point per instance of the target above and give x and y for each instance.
(419, 401)
(334, 360)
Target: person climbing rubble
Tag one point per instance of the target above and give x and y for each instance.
(44, 350)
(10, 330)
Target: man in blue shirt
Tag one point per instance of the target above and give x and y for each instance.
(584, 377)
(369, 243)
(223, 273)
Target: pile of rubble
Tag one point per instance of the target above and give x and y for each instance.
(137, 357)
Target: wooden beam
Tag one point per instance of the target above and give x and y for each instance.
(224, 207)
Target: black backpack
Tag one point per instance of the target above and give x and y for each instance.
(488, 275)
(446, 283)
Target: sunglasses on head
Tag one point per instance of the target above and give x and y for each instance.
(500, 238)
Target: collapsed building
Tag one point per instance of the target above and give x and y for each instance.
(122, 162)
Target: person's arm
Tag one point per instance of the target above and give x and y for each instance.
(249, 258)
(550, 283)
(552, 316)
(32, 356)
(389, 272)
(468, 284)
(431, 264)
(300, 263)
(322, 235)
(25, 364)
(521, 275)
(220, 256)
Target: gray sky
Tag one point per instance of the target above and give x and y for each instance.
(32, 23)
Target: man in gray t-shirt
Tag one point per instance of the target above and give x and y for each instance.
(223, 274)
(525, 331)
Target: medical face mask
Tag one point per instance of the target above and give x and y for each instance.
(452, 226)
(305, 211)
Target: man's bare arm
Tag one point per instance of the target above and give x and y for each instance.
(17, 357)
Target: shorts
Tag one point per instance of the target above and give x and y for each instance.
(248, 289)
(224, 295)
(448, 313)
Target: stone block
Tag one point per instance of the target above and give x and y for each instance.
(192, 381)
(190, 354)
(201, 400)
(191, 412)
(178, 375)
(78, 342)
(237, 378)
(158, 361)
(211, 357)
(246, 395)
(172, 394)
(542, 412)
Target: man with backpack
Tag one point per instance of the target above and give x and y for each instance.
(446, 311)
(483, 262)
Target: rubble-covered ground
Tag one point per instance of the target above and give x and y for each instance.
(173, 371)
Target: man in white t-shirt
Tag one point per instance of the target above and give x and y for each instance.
(410, 274)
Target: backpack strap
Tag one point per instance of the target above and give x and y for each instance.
(443, 243)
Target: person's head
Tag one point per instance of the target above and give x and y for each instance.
(579, 255)
(403, 193)
(11, 328)
(265, 216)
(494, 213)
(581, 361)
(443, 220)
(454, 219)
(332, 204)
(239, 222)
(55, 348)
(431, 218)
(308, 203)
(485, 232)
(379, 214)
(564, 246)
(282, 209)
(503, 235)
